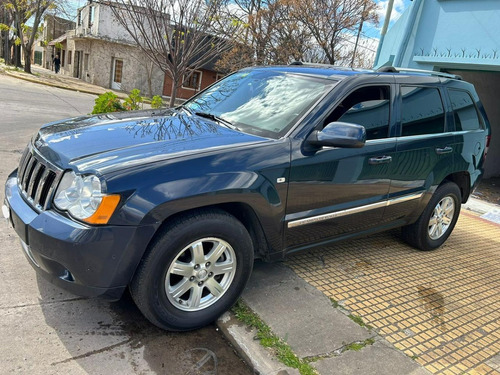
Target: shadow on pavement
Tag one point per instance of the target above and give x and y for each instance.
(99, 335)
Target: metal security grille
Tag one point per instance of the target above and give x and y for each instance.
(36, 180)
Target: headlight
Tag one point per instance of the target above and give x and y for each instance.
(84, 199)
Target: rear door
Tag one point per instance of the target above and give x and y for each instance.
(337, 191)
(425, 149)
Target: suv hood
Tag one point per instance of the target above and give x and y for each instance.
(112, 141)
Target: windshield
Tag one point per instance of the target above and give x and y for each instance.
(261, 102)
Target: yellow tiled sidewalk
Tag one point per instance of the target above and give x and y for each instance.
(440, 307)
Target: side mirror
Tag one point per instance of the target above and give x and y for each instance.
(338, 134)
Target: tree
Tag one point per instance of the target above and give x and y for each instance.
(6, 20)
(178, 36)
(23, 10)
(282, 31)
(332, 22)
(269, 34)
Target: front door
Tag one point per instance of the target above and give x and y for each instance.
(76, 71)
(337, 191)
(117, 73)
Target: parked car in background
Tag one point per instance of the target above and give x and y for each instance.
(176, 204)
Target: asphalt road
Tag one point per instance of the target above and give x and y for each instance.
(45, 330)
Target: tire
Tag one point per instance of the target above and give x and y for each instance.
(436, 223)
(194, 271)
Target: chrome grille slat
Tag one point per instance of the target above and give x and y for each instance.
(37, 179)
(23, 166)
(52, 187)
(27, 174)
(23, 162)
(43, 179)
(32, 184)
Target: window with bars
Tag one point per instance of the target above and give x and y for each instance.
(192, 81)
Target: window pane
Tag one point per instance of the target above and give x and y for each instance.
(369, 107)
(422, 111)
(465, 112)
(192, 81)
(263, 102)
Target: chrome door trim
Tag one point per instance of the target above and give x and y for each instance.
(354, 210)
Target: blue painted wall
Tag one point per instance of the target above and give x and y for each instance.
(451, 33)
(458, 36)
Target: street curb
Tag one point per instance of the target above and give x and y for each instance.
(49, 84)
(242, 338)
(28, 79)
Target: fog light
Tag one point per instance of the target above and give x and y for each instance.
(5, 211)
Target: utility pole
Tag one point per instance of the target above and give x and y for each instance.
(359, 33)
(388, 13)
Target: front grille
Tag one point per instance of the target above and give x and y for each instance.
(36, 179)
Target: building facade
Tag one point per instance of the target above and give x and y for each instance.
(53, 27)
(100, 51)
(455, 36)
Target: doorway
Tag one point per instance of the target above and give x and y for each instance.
(77, 72)
(117, 73)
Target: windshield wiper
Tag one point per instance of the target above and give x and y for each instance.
(186, 109)
(218, 119)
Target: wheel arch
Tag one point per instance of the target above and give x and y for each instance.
(241, 211)
(462, 180)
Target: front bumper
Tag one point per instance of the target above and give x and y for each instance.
(86, 260)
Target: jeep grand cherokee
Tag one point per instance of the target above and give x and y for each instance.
(175, 204)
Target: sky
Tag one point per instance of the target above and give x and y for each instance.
(373, 31)
(370, 34)
(370, 31)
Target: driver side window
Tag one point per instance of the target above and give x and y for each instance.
(367, 106)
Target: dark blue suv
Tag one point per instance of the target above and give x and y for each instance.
(175, 204)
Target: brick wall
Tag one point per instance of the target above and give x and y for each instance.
(207, 78)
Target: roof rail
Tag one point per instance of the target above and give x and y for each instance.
(322, 65)
(392, 69)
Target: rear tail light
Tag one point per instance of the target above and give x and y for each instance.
(488, 140)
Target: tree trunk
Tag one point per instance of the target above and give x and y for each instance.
(27, 59)
(149, 70)
(173, 94)
(17, 56)
(6, 47)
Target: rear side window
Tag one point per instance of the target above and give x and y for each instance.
(465, 112)
(422, 111)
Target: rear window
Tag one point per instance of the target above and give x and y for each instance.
(422, 111)
(464, 111)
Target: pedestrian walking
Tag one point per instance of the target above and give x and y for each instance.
(57, 63)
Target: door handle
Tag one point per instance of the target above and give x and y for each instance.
(445, 150)
(380, 160)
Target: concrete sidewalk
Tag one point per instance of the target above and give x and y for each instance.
(49, 78)
(317, 332)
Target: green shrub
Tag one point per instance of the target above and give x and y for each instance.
(133, 100)
(156, 102)
(107, 102)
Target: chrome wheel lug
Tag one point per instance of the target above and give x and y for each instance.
(207, 264)
(200, 283)
(210, 274)
(196, 266)
(191, 278)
